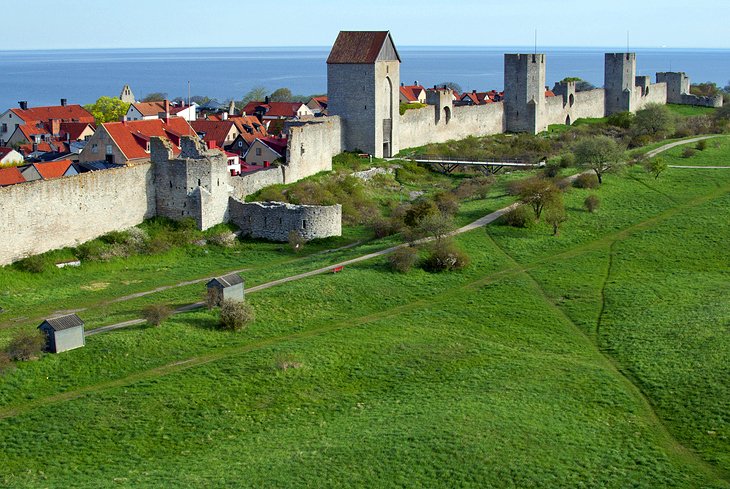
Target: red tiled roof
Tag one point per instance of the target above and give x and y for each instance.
(257, 128)
(411, 92)
(64, 113)
(131, 136)
(277, 144)
(74, 129)
(10, 176)
(52, 146)
(274, 109)
(4, 152)
(149, 109)
(216, 131)
(549, 93)
(358, 47)
(52, 169)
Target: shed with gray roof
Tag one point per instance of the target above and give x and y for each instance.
(229, 286)
(63, 333)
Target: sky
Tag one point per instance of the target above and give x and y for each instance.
(87, 24)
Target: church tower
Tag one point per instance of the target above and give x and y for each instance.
(363, 80)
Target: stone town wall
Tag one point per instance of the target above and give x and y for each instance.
(275, 220)
(311, 146)
(566, 109)
(250, 183)
(45, 215)
(419, 127)
(655, 93)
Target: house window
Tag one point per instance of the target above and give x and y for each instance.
(240, 144)
(5, 127)
(109, 149)
(147, 148)
(304, 224)
(258, 151)
(94, 148)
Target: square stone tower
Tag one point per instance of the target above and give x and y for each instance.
(524, 92)
(363, 80)
(619, 82)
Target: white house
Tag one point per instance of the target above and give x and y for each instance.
(144, 111)
(8, 156)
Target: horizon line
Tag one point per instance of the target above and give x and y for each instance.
(531, 48)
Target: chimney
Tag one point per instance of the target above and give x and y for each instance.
(35, 146)
(266, 99)
(167, 109)
(55, 127)
(402, 84)
(415, 83)
(225, 116)
(23, 105)
(473, 91)
(64, 102)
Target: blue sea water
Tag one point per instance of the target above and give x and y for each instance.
(81, 76)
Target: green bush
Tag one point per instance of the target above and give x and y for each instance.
(447, 203)
(444, 257)
(551, 170)
(235, 315)
(6, 363)
(586, 180)
(567, 160)
(592, 203)
(689, 152)
(520, 216)
(34, 264)
(418, 211)
(701, 145)
(403, 259)
(621, 119)
(26, 345)
(156, 314)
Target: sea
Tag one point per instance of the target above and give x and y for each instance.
(82, 76)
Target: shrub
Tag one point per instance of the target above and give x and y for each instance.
(156, 314)
(586, 180)
(537, 193)
(656, 166)
(551, 170)
(447, 203)
(33, 264)
(285, 361)
(477, 187)
(567, 160)
(620, 119)
(226, 239)
(445, 257)
(296, 241)
(519, 217)
(592, 203)
(403, 259)
(236, 315)
(26, 345)
(701, 145)
(418, 211)
(689, 152)
(555, 215)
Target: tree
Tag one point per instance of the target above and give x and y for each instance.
(236, 315)
(281, 95)
(538, 193)
(655, 120)
(155, 97)
(108, 109)
(437, 225)
(451, 85)
(656, 166)
(555, 215)
(155, 314)
(199, 99)
(256, 94)
(580, 84)
(706, 89)
(601, 154)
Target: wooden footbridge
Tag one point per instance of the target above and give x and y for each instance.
(447, 164)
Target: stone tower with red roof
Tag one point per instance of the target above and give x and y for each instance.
(363, 80)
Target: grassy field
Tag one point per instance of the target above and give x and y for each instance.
(716, 153)
(598, 358)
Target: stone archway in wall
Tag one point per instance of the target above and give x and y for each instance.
(388, 119)
(568, 120)
(447, 115)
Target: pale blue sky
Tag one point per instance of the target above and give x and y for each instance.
(61, 24)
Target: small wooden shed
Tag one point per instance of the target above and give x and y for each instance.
(229, 286)
(63, 333)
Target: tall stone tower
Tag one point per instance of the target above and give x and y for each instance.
(363, 80)
(524, 92)
(619, 82)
